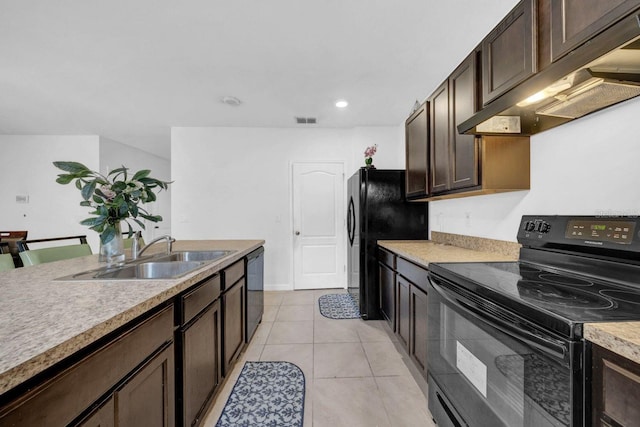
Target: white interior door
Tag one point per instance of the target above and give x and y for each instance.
(318, 225)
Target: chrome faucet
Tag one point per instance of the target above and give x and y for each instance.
(136, 253)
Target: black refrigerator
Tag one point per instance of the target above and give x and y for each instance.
(377, 210)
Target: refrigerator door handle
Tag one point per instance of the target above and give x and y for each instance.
(351, 223)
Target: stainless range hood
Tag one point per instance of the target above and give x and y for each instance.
(598, 91)
(596, 75)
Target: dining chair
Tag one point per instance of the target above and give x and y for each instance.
(11, 238)
(54, 253)
(6, 262)
(128, 241)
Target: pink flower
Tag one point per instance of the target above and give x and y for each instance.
(108, 192)
(370, 151)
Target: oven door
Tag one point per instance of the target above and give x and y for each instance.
(488, 367)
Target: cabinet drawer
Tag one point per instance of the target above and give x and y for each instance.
(193, 302)
(417, 275)
(232, 274)
(387, 258)
(86, 381)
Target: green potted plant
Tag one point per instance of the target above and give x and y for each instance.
(114, 199)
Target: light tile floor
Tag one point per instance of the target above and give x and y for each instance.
(356, 374)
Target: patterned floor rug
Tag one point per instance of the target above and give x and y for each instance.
(265, 394)
(339, 306)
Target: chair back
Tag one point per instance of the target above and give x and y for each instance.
(6, 262)
(12, 238)
(129, 241)
(55, 253)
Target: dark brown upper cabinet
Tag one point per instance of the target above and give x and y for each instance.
(439, 138)
(573, 22)
(509, 52)
(463, 103)
(454, 157)
(416, 149)
(584, 56)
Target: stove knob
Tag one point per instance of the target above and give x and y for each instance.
(544, 227)
(530, 226)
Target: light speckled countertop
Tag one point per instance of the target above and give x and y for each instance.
(619, 337)
(424, 252)
(42, 321)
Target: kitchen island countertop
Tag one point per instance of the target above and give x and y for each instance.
(43, 320)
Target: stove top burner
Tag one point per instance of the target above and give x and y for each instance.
(571, 270)
(623, 296)
(557, 294)
(557, 298)
(564, 280)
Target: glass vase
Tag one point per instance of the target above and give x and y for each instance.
(112, 252)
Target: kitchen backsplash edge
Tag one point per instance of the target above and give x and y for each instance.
(481, 244)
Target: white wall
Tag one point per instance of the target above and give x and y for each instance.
(590, 166)
(114, 154)
(235, 182)
(53, 209)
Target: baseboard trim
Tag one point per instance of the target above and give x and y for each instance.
(278, 287)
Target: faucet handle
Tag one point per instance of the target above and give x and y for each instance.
(135, 244)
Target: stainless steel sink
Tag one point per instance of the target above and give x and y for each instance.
(151, 270)
(194, 256)
(159, 266)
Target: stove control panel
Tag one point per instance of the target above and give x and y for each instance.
(601, 230)
(621, 233)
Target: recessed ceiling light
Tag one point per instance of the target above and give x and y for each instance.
(341, 103)
(231, 100)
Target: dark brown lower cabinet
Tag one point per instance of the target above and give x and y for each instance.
(387, 294)
(412, 282)
(199, 349)
(233, 307)
(403, 315)
(202, 367)
(418, 334)
(103, 417)
(387, 285)
(126, 381)
(615, 390)
(147, 398)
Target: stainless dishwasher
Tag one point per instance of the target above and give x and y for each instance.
(255, 291)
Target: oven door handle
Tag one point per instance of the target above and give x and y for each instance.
(552, 347)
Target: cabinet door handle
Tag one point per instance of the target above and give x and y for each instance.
(297, 233)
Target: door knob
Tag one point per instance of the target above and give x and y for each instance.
(297, 233)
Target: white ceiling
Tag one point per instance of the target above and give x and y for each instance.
(129, 70)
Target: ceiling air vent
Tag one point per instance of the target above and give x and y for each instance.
(306, 120)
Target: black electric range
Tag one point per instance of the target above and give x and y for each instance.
(572, 270)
